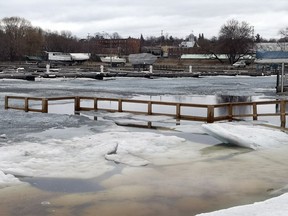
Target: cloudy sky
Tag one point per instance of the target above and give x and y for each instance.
(149, 17)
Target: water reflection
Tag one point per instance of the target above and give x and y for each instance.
(71, 185)
(232, 98)
(237, 110)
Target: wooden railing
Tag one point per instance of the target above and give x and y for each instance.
(187, 111)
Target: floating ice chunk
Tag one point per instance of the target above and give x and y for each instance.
(3, 136)
(86, 156)
(275, 206)
(247, 135)
(8, 180)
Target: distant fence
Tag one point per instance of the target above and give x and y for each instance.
(185, 111)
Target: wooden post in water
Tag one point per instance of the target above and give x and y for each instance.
(277, 82)
(77, 104)
(95, 104)
(149, 108)
(6, 102)
(26, 104)
(282, 78)
(44, 105)
(210, 114)
(230, 112)
(283, 113)
(119, 105)
(255, 116)
(178, 111)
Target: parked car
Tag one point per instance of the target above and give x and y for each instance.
(239, 64)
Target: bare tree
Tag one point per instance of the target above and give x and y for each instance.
(236, 39)
(4, 48)
(210, 47)
(115, 35)
(33, 41)
(284, 32)
(15, 29)
(282, 42)
(63, 42)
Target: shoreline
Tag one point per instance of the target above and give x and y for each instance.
(123, 73)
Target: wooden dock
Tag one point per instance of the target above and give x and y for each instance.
(185, 111)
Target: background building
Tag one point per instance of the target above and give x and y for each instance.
(116, 47)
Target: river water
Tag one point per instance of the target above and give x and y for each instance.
(189, 172)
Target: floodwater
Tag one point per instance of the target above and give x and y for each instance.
(206, 176)
(220, 177)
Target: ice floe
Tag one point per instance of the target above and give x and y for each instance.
(83, 157)
(7, 180)
(247, 135)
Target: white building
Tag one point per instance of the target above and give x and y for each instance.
(190, 43)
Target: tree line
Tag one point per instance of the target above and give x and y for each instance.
(19, 38)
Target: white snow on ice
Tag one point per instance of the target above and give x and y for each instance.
(247, 135)
(8, 180)
(83, 157)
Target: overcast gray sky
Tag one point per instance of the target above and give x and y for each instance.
(149, 17)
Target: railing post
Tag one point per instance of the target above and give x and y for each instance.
(178, 111)
(95, 104)
(210, 114)
(119, 105)
(149, 108)
(255, 115)
(230, 112)
(283, 113)
(77, 104)
(26, 104)
(6, 102)
(44, 105)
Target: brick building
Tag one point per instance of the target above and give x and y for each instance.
(119, 47)
(176, 52)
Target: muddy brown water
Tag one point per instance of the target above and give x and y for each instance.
(220, 176)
